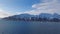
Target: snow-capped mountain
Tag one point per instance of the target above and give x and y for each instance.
(22, 16)
(56, 15)
(36, 17)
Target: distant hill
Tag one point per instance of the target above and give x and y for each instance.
(41, 17)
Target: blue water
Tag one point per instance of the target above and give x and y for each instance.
(24, 27)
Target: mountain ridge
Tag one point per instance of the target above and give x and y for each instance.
(44, 16)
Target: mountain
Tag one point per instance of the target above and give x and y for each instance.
(56, 15)
(44, 16)
(22, 16)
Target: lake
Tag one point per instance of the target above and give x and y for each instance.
(29, 27)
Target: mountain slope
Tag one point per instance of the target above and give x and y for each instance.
(42, 16)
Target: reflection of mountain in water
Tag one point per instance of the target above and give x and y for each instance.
(41, 17)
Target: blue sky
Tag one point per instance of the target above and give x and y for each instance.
(14, 6)
(17, 5)
(34, 7)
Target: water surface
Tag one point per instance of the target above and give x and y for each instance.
(29, 27)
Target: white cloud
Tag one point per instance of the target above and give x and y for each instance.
(4, 13)
(47, 6)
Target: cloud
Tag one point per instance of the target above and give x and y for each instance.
(47, 6)
(4, 13)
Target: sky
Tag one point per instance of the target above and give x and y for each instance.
(34, 7)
